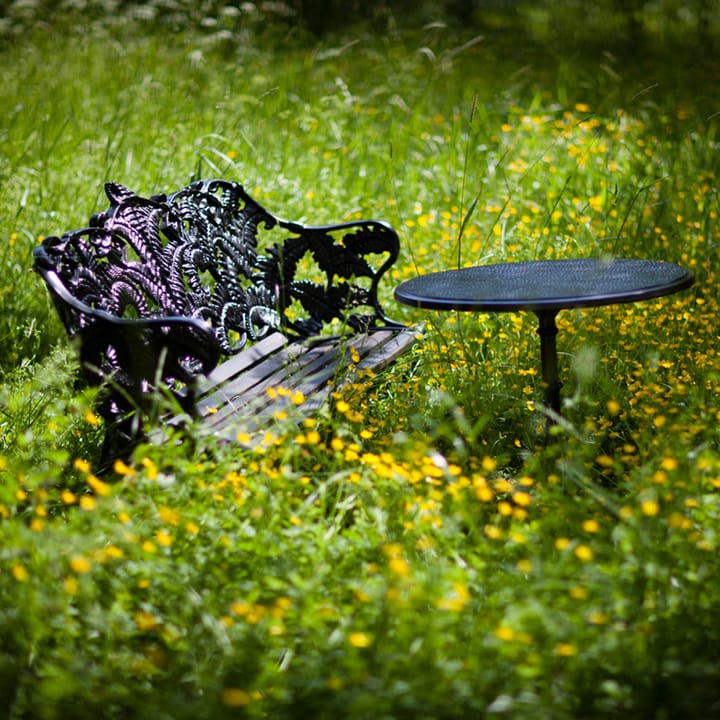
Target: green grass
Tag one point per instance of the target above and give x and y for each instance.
(418, 549)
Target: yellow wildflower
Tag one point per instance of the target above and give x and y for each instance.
(584, 553)
(650, 507)
(80, 564)
(505, 633)
(82, 465)
(20, 573)
(87, 503)
(235, 697)
(163, 538)
(98, 486)
(121, 468)
(359, 640)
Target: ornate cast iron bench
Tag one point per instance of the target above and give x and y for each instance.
(174, 292)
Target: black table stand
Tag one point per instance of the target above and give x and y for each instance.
(547, 330)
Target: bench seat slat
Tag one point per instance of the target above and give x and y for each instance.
(245, 402)
(248, 357)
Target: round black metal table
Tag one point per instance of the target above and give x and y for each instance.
(545, 287)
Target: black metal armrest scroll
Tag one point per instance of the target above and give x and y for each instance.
(341, 253)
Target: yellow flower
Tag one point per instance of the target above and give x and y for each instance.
(505, 633)
(121, 468)
(82, 465)
(650, 507)
(313, 437)
(99, 487)
(584, 553)
(359, 640)
(240, 607)
(80, 564)
(591, 526)
(235, 697)
(87, 503)
(145, 620)
(163, 538)
(91, 418)
(399, 566)
(150, 467)
(525, 566)
(114, 551)
(604, 461)
(168, 515)
(565, 649)
(504, 508)
(20, 573)
(68, 497)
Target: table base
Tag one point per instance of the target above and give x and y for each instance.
(547, 330)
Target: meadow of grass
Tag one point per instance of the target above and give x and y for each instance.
(418, 549)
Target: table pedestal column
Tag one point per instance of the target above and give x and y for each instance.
(547, 330)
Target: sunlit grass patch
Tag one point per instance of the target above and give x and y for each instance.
(422, 542)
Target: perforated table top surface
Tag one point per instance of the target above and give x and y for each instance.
(544, 285)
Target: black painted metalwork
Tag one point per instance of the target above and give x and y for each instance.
(159, 288)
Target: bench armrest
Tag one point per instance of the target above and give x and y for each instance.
(135, 353)
(351, 256)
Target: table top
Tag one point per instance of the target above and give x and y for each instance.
(544, 285)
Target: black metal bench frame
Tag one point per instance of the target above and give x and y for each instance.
(159, 290)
